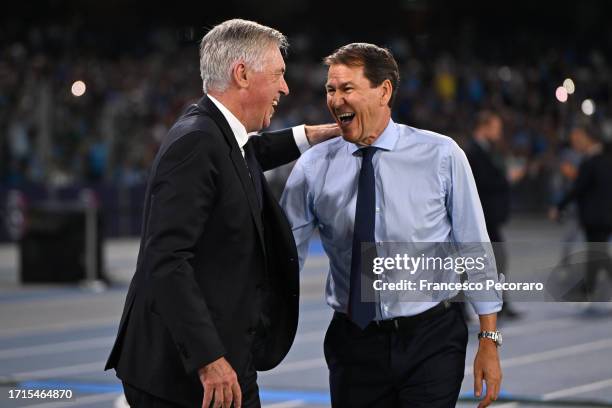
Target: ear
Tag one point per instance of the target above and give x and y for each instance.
(386, 92)
(239, 75)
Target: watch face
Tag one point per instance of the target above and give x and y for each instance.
(499, 339)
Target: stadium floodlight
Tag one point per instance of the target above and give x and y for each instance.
(569, 86)
(561, 94)
(78, 88)
(588, 107)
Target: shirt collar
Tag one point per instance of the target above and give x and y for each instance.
(237, 127)
(386, 141)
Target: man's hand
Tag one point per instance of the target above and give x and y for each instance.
(320, 133)
(220, 384)
(553, 214)
(516, 174)
(487, 368)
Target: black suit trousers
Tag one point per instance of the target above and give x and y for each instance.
(598, 257)
(379, 368)
(138, 398)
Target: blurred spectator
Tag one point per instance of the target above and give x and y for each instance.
(593, 195)
(562, 181)
(493, 182)
(137, 81)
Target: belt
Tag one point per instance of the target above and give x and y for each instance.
(404, 322)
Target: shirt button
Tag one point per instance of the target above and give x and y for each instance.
(386, 308)
(377, 209)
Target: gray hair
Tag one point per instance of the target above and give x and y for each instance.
(231, 42)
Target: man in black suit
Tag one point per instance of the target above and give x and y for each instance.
(593, 195)
(492, 182)
(215, 293)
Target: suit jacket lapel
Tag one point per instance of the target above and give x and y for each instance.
(239, 164)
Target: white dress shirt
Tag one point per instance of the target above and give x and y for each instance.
(425, 193)
(242, 137)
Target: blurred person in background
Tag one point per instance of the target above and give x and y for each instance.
(215, 294)
(384, 181)
(493, 182)
(592, 193)
(561, 182)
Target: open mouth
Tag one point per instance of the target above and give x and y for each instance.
(346, 118)
(274, 105)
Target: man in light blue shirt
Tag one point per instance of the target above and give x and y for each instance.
(387, 182)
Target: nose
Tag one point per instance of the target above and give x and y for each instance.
(284, 87)
(336, 100)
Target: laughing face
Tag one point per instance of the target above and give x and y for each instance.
(360, 109)
(265, 88)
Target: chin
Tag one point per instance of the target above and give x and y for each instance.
(262, 125)
(349, 135)
(349, 138)
(266, 122)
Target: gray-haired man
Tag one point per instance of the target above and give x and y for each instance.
(215, 293)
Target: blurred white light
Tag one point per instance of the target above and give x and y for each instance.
(78, 88)
(569, 86)
(561, 94)
(588, 107)
(505, 74)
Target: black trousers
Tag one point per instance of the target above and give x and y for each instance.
(598, 257)
(499, 248)
(501, 255)
(378, 368)
(138, 398)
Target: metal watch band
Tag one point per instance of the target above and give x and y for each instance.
(495, 336)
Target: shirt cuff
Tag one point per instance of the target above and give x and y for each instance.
(484, 308)
(299, 135)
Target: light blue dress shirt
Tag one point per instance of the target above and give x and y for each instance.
(425, 192)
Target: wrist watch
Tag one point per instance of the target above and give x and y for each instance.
(496, 336)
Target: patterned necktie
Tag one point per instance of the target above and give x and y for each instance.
(255, 171)
(360, 311)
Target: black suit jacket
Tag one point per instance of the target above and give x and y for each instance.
(492, 184)
(216, 275)
(592, 191)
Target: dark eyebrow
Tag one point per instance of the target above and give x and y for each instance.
(342, 85)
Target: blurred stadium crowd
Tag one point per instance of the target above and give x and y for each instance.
(134, 88)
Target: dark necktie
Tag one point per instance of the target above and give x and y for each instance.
(255, 171)
(360, 311)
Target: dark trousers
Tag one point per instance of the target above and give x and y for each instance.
(501, 256)
(377, 368)
(598, 257)
(138, 398)
(499, 248)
